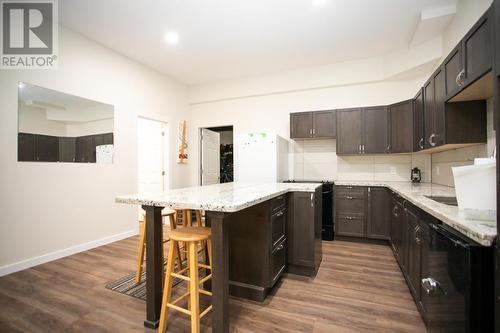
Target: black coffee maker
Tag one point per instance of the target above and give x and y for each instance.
(416, 175)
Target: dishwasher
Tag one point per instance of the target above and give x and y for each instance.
(457, 285)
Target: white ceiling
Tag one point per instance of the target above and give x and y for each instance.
(226, 39)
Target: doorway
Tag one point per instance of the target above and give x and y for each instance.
(152, 155)
(216, 155)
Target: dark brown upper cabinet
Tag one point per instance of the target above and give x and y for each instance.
(456, 124)
(477, 49)
(401, 127)
(375, 133)
(470, 60)
(418, 121)
(313, 125)
(301, 125)
(362, 131)
(349, 131)
(452, 70)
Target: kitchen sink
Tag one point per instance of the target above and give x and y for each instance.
(450, 201)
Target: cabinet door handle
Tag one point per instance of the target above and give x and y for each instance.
(310, 131)
(431, 139)
(395, 211)
(314, 131)
(421, 143)
(349, 217)
(279, 214)
(460, 78)
(349, 197)
(312, 200)
(359, 149)
(349, 187)
(280, 247)
(388, 147)
(363, 149)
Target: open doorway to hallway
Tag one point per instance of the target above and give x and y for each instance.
(152, 155)
(216, 155)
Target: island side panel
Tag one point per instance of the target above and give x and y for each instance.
(220, 271)
(154, 265)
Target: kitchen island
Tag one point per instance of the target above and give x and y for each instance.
(221, 203)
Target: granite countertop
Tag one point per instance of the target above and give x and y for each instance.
(228, 197)
(482, 231)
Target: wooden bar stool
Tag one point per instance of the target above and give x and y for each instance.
(190, 236)
(142, 242)
(187, 217)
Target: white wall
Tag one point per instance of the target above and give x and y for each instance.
(33, 119)
(47, 207)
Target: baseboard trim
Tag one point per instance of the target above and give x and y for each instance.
(24, 264)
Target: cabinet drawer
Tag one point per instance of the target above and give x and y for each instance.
(351, 225)
(278, 262)
(277, 203)
(278, 227)
(350, 205)
(350, 191)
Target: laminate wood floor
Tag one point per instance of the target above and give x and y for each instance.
(359, 288)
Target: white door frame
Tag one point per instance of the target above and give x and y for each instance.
(165, 149)
(200, 150)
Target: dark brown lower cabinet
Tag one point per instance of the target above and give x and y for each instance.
(304, 232)
(379, 213)
(362, 212)
(257, 249)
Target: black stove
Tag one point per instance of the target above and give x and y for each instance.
(328, 230)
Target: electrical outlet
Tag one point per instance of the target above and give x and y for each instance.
(393, 170)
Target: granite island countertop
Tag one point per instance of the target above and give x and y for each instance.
(482, 231)
(227, 197)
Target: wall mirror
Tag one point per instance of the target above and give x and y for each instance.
(57, 127)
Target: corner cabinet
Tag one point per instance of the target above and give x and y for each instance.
(313, 125)
(304, 232)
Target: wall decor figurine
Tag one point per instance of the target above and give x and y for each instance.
(183, 144)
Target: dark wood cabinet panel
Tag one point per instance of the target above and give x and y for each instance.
(401, 127)
(301, 125)
(349, 131)
(396, 231)
(350, 225)
(375, 131)
(477, 49)
(414, 256)
(452, 67)
(67, 149)
(324, 124)
(438, 134)
(379, 213)
(26, 147)
(418, 121)
(316, 124)
(429, 107)
(85, 149)
(108, 139)
(47, 148)
(304, 232)
(301, 230)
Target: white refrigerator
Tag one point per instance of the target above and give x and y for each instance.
(261, 157)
